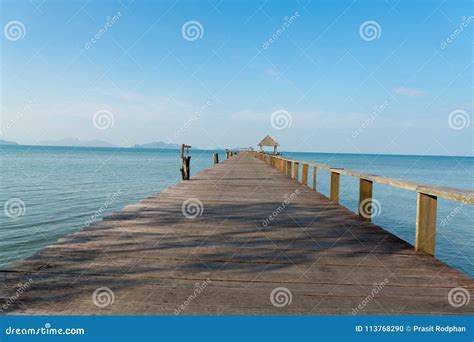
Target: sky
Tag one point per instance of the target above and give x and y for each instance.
(392, 77)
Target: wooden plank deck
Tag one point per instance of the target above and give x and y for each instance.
(154, 259)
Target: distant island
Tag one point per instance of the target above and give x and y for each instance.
(76, 142)
(5, 142)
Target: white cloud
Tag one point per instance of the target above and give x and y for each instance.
(410, 92)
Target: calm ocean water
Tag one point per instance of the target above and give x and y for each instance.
(63, 188)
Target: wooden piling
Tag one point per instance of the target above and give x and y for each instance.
(426, 223)
(295, 171)
(365, 199)
(315, 171)
(304, 174)
(334, 187)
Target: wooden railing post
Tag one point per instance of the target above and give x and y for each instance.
(288, 168)
(304, 173)
(365, 199)
(334, 187)
(295, 170)
(315, 171)
(425, 223)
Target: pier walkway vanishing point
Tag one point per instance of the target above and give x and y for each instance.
(238, 238)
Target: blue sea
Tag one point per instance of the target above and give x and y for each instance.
(63, 189)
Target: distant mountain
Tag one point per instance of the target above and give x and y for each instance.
(158, 145)
(4, 142)
(76, 142)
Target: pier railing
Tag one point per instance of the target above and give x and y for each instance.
(427, 196)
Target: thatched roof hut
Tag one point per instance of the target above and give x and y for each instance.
(269, 141)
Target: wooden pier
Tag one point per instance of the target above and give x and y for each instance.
(241, 237)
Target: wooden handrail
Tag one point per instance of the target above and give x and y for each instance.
(427, 195)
